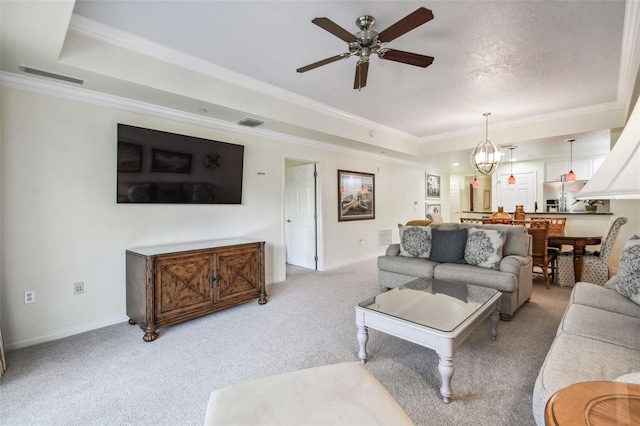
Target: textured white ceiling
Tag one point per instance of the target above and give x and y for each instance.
(517, 59)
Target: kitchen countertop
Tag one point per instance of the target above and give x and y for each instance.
(549, 213)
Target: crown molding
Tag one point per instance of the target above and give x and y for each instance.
(142, 46)
(80, 94)
(537, 119)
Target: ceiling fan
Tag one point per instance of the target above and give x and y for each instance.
(367, 42)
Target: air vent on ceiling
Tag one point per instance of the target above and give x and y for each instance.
(51, 75)
(250, 122)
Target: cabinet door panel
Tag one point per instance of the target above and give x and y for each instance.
(239, 271)
(182, 284)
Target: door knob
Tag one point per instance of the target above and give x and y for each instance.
(288, 220)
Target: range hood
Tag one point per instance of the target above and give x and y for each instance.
(619, 175)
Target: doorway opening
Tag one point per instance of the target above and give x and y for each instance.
(302, 213)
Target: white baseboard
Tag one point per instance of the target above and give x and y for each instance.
(59, 333)
(354, 260)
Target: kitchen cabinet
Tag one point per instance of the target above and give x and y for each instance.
(174, 283)
(583, 168)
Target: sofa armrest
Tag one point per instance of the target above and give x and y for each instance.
(514, 263)
(393, 250)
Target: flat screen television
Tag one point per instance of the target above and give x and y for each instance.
(162, 167)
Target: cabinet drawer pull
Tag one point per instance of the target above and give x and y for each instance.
(215, 278)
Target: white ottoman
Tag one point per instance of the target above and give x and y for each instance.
(339, 394)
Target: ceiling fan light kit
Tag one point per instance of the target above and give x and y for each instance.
(368, 42)
(486, 156)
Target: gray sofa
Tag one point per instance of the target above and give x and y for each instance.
(513, 277)
(598, 340)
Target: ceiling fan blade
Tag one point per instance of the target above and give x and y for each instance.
(335, 29)
(406, 57)
(362, 69)
(406, 24)
(323, 62)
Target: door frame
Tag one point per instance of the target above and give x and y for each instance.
(320, 264)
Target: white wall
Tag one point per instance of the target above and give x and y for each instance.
(61, 223)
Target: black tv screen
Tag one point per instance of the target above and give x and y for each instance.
(162, 167)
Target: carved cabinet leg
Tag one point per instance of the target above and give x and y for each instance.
(150, 335)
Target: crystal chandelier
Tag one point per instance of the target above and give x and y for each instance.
(486, 156)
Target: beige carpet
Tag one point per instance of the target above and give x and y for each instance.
(111, 377)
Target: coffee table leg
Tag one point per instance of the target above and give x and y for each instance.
(445, 366)
(363, 338)
(494, 317)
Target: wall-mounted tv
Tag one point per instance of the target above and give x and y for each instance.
(161, 167)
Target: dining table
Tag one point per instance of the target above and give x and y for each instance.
(578, 243)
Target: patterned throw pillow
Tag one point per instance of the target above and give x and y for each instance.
(484, 247)
(415, 241)
(628, 276)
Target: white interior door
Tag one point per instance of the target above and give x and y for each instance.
(300, 215)
(454, 203)
(522, 192)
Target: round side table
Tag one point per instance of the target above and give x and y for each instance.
(594, 404)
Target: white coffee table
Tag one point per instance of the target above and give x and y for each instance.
(436, 314)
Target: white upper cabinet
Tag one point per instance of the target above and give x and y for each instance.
(583, 169)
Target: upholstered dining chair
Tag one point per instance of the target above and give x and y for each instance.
(595, 265)
(542, 258)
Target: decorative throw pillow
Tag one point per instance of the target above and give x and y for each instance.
(415, 241)
(447, 246)
(628, 276)
(484, 247)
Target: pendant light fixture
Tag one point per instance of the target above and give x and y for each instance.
(486, 156)
(512, 178)
(571, 176)
(475, 182)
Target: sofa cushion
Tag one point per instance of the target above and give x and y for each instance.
(415, 241)
(599, 324)
(603, 298)
(484, 247)
(470, 274)
(413, 266)
(598, 361)
(627, 279)
(448, 246)
(629, 378)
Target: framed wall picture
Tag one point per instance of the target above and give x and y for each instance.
(356, 195)
(434, 208)
(433, 186)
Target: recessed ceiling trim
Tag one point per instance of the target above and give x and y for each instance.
(81, 94)
(575, 112)
(122, 39)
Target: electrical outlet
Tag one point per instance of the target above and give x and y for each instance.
(29, 296)
(78, 288)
